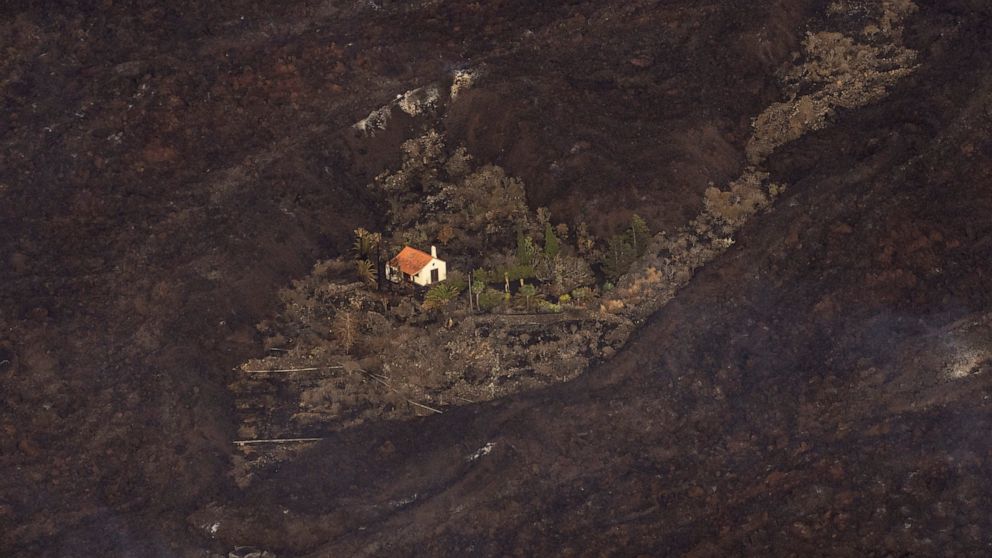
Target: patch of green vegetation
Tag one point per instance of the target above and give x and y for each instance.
(491, 299)
(527, 292)
(525, 250)
(623, 249)
(583, 295)
(548, 307)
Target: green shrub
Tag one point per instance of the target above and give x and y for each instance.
(623, 249)
(481, 276)
(620, 255)
(548, 307)
(583, 295)
(491, 299)
(528, 292)
(457, 280)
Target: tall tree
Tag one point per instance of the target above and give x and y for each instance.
(480, 277)
(551, 244)
(639, 235)
(364, 244)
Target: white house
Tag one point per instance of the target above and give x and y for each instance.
(417, 267)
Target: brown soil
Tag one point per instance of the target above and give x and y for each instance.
(821, 388)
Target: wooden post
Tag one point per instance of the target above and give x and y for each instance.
(469, 291)
(380, 267)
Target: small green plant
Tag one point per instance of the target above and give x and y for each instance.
(565, 299)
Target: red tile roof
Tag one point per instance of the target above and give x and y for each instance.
(410, 260)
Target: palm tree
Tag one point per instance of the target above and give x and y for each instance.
(366, 243)
(366, 271)
(439, 295)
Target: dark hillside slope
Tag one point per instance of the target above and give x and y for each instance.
(821, 388)
(824, 388)
(165, 169)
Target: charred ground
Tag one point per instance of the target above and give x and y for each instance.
(820, 386)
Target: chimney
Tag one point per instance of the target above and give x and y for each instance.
(433, 251)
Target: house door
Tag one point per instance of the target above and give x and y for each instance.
(435, 276)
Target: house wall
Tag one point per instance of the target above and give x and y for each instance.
(423, 277)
